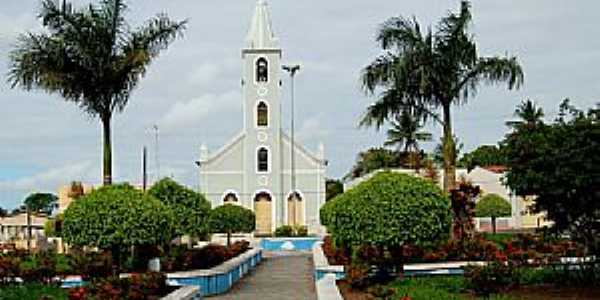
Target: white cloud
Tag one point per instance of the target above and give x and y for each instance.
(51, 179)
(210, 72)
(193, 111)
(313, 130)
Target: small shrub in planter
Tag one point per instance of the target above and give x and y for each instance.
(209, 256)
(291, 231)
(301, 231)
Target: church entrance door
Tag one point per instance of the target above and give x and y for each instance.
(263, 211)
(295, 210)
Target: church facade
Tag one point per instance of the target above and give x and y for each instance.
(255, 168)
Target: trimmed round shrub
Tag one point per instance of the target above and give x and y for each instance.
(230, 219)
(390, 210)
(493, 206)
(117, 217)
(191, 208)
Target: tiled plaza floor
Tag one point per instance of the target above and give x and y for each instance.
(278, 277)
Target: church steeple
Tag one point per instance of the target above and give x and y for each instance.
(260, 35)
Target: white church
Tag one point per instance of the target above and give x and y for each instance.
(255, 168)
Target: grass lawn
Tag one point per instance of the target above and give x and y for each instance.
(32, 292)
(454, 288)
(439, 287)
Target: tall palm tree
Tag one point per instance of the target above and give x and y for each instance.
(405, 132)
(430, 72)
(90, 57)
(529, 115)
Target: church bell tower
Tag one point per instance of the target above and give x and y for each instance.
(262, 114)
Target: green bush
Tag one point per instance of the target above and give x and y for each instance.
(284, 231)
(493, 206)
(191, 208)
(230, 219)
(117, 217)
(301, 231)
(33, 291)
(291, 231)
(389, 210)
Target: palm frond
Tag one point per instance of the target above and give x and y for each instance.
(491, 70)
(400, 33)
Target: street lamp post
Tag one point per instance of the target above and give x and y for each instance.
(292, 70)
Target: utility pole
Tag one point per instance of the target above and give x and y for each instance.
(144, 169)
(292, 70)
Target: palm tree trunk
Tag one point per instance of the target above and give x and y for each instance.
(449, 151)
(107, 166)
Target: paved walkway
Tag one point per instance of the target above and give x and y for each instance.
(278, 277)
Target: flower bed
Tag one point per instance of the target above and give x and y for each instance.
(208, 263)
(525, 248)
(183, 259)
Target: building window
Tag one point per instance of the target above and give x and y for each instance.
(262, 114)
(263, 160)
(262, 70)
(230, 198)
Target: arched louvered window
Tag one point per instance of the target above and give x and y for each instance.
(262, 114)
(262, 160)
(262, 70)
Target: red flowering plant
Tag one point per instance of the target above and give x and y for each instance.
(463, 209)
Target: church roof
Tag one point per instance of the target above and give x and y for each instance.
(260, 35)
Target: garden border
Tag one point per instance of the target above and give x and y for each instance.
(326, 275)
(221, 278)
(296, 243)
(189, 292)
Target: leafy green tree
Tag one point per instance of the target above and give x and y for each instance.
(389, 211)
(427, 71)
(375, 159)
(230, 218)
(41, 203)
(333, 187)
(406, 133)
(90, 57)
(529, 114)
(191, 208)
(38, 203)
(493, 206)
(483, 156)
(559, 164)
(116, 218)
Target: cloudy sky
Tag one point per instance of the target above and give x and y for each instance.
(192, 92)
